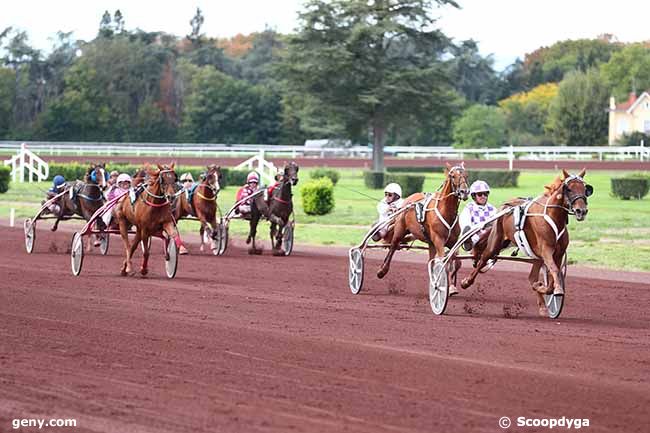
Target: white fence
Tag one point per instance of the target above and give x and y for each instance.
(239, 150)
(265, 168)
(26, 160)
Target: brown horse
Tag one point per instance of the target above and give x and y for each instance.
(545, 228)
(277, 209)
(440, 225)
(150, 214)
(203, 203)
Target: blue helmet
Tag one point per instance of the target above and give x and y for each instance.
(59, 180)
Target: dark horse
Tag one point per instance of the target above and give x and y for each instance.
(277, 208)
(203, 203)
(440, 226)
(83, 197)
(150, 214)
(546, 231)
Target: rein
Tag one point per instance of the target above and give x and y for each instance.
(210, 188)
(88, 198)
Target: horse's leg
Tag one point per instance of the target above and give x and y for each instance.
(553, 268)
(452, 268)
(398, 234)
(255, 218)
(56, 224)
(537, 285)
(277, 241)
(172, 231)
(493, 246)
(144, 236)
(201, 233)
(124, 233)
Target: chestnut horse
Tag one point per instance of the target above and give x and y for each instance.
(150, 214)
(277, 209)
(545, 228)
(440, 226)
(204, 202)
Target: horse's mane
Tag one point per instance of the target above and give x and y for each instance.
(553, 186)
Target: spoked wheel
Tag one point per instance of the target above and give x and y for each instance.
(171, 258)
(77, 253)
(438, 287)
(287, 238)
(223, 239)
(554, 303)
(30, 234)
(355, 271)
(103, 243)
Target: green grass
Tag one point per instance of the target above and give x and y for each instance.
(616, 233)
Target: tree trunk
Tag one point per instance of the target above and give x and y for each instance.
(379, 133)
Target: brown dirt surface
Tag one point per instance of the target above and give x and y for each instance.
(366, 163)
(245, 343)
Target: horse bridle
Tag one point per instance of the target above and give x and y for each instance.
(455, 189)
(589, 190)
(164, 196)
(214, 188)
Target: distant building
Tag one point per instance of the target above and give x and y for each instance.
(628, 117)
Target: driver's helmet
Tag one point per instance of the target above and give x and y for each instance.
(479, 186)
(393, 188)
(59, 181)
(253, 177)
(123, 178)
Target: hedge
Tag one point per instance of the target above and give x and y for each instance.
(410, 183)
(317, 196)
(77, 170)
(329, 173)
(5, 178)
(496, 179)
(373, 179)
(415, 169)
(628, 187)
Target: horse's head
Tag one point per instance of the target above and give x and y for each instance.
(138, 177)
(98, 175)
(290, 173)
(166, 179)
(575, 192)
(458, 179)
(214, 177)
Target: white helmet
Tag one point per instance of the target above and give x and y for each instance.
(394, 188)
(123, 178)
(479, 186)
(253, 176)
(187, 177)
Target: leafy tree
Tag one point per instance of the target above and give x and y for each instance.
(258, 61)
(480, 126)
(7, 89)
(368, 64)
(106, 26)
(628, 70)
(526, 114)
(222, 109)
(473, 75)
(577, 117)
(118, 19)
(196, 22)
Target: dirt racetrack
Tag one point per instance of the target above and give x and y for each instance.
(264, 344)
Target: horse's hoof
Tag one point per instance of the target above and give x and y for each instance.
(182, 250)
(381, 273)
(278, 253)
(453, 290)
(201, 248)
(539, 287)
(123, 273)
(254, 251)
(543, 312)
(144, 271)
(465, 283)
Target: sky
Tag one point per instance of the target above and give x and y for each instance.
(507, 29)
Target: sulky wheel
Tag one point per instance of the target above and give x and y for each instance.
(554, 303)
(171, 258)
(438, 286)
(30, 234)
(355, 271)
(222, 236)
(77, 253)
(287, 239)
(103, 243)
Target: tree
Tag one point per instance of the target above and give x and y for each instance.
(578, 116)
(118, 19)
(480, 126)
(106, 26)
(7, 89)
(473, 74)
(368, 64)
(196, 22)
(628, 70)
(526, 114)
